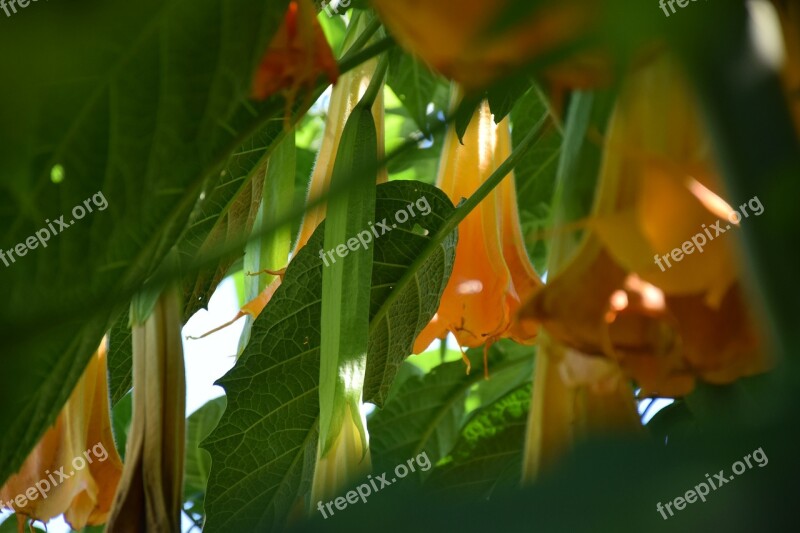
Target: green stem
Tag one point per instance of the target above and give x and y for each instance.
(352, 60)
(375, 83)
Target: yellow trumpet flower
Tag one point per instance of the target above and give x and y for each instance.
(492, 273)
(75, 468)
(665, 324)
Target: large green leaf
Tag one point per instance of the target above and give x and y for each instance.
(426, 413)
(140, 102)
(488, 453)
(265, 445)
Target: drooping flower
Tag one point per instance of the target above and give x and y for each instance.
(151, 489)
(75, 468)
(453, 37)
(297, 55)
(574, 396)
(659, 190)
(492, 273)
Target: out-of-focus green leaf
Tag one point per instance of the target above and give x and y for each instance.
(673, 422)
(266, 442)
(142, 103)
(9, 525)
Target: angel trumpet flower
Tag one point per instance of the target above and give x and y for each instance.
(658, 189)
(574, 395)
(151, 491)
(296, 57)
(492, 273)
(347, 461)
(451, 37)
(345, 95)
(75, 468)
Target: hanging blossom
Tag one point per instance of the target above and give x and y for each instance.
(297, 55)
(75, 469)
(658, 188)
(492, 274)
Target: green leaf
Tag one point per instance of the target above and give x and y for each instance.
(266, 443)
(9, 525)
(501, 381)
(503, 97)
(488, 453)
(416, 86)
(418, 164)
(121, 415)
(120, 359)
(535, 174)
(198, 461)
(426, 413)
(226, 211)
(142, 103)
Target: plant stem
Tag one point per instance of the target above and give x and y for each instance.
(375, 84)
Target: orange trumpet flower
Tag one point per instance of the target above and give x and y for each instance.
(298, 54)
(75, 468)
(666, 324)
(492, 273)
